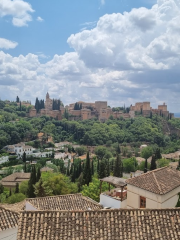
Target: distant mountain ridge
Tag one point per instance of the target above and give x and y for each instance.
(177, 115)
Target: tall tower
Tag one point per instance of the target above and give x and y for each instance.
(47, 95)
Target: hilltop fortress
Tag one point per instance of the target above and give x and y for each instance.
(47, 110)
(146, 110)
(84, 110)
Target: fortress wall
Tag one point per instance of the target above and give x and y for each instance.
(75, 112)
(162, 107)
(85, 114)
(146, 106)
(138, 106)
(100, 104)
(32, 113)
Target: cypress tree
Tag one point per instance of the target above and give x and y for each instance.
(98, 166)
(31, 183)
(1, 188)
(38, 174)
(17, 99)
(20, 106)
(24, 157)
(118, 167)
(145, 166)
(17, 188)
(158, 154)
(87, 171)
(153, 163)
(92, 167)
(10, 193)
(118, 149)
(102, 169)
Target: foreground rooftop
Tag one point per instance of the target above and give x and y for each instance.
(100, 224)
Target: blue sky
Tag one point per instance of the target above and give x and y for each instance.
(122, 51)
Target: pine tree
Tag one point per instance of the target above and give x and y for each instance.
(118, 167)
(153, 163)
(87, 178)
(17, 188)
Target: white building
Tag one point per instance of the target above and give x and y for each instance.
(20, 148)
(155, 189)
(4, 159)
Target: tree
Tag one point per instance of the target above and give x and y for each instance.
(17, 197)
(17, 99)
(118, 149)
(146, 153)
(23, 187)
(92, 167)
(1, 188)
(40, 190)
(17, 188)
(32, 182)
(129, 164)
(87, 177)
(93, 190)
(38, 176)
(24, 157)
(102, 169)
(158, 154)
(118, 167)
(153, 163)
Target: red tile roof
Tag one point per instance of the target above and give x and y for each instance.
(159, 181)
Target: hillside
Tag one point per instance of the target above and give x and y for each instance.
(16, 127)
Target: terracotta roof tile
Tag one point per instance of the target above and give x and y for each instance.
(8, 219)
(114, 224)
(64, 202)
(159, 181)
(16, 207)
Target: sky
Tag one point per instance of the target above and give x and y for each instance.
(120, 51)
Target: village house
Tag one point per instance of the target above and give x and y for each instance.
(11, 180)
(154, 190)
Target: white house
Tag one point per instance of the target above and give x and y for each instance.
(20, 148)
(155, 189)
(4, 159)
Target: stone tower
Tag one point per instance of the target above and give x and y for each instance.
(48, 102)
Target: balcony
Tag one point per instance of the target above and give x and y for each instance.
(114, 198)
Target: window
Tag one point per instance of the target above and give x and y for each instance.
(142, 202)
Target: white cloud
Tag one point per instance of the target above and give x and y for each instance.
(7, 44)
(18, 9)
(39, 19)
(102, 2)
(125, 58)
